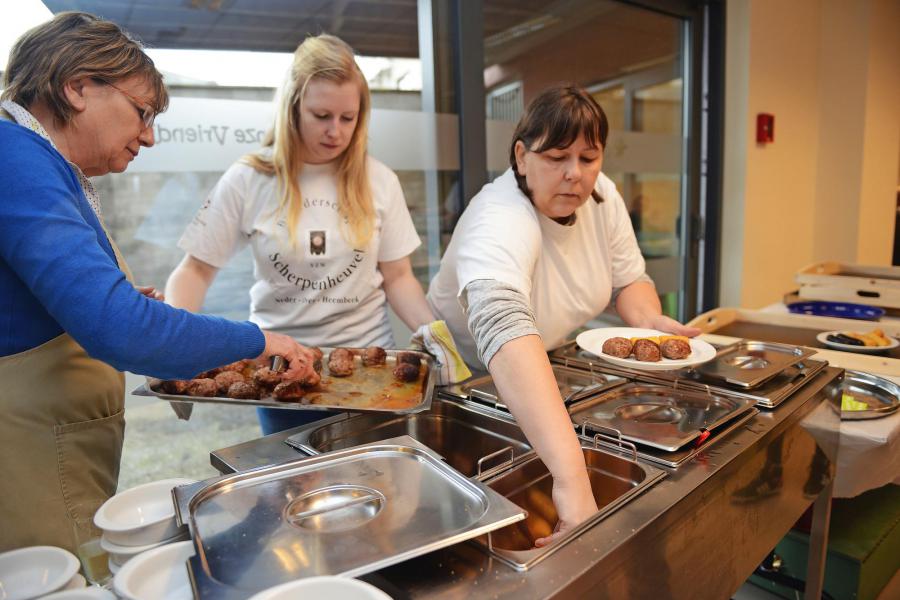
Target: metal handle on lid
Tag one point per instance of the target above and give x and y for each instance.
(611, 435)
(512, 456)
(479, 395)
(313, 512)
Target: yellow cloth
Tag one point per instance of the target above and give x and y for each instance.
(435, 339)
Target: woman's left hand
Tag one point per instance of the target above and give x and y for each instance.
(670, 325)
(151, 292)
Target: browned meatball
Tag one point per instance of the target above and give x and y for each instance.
(245, 390)
(675, 348)
(617, 346)
(317, 352)
(236, 366)
(406, 372)
(311, 380)
(202, 387)
(226, 379)
(409, 358)
(646, 351)
(266, 377)
(208, 374)
(288, 391)
(374, 356)
(340, 362)
(177, 387)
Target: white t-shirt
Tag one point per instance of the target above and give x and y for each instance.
(567, 271)
(322, 291)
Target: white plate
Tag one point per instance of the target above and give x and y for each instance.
(142, 515)
(35, 571)
(823, 338)
(155, 574)
(326, 586)
(592, 341)
(86, 593)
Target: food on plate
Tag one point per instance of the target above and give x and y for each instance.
(225, 379)
(175, 386)
(618, 346)
(374, 356)
(238, 366)
(872, 339)
(340, 362)
(244, 390)
(652, 338)
(208, 374)
(646, 350)
(317, 359)
(266, 377)
(410, 358)
(406, 372)
(675, 347)
(850, 403)
(311, 380)
(202, 387)
(287, 391)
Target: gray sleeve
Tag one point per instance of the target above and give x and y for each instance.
(497, 313)
(617, 291)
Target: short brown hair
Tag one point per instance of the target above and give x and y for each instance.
(72, 45)
(555, 119)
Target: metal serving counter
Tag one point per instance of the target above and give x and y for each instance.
(698, 533)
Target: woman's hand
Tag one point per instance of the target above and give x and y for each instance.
(299, 358)
(151, 292)
(670, 325)
(574, 503)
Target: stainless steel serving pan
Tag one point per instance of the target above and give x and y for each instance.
(748, 364)
(882, 395)
(348, 513)
(614, 480)
(471, 439)
(659, 416)
(364, 391)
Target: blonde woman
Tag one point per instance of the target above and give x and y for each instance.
(328, 225)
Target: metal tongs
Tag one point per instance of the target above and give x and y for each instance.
(277, 363)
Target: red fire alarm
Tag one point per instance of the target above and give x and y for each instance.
(765, 128)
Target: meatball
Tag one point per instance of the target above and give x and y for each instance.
(406, 372)
(675, 348)
(226, 379)
(177, 387)
(409, 358)
(340, 362)
(617, 346)
(237, 366)
(311, 380)
(266, 377)
(646, 350)
(288, 391)
(317, 359)
(374, 356)
(245, 390)
(202, 387)
(208, 374)
(317, 352)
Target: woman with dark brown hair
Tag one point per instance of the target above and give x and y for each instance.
(539, 252)
(79, 100)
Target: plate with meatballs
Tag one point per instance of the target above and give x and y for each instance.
(358, 379)
(645, 349)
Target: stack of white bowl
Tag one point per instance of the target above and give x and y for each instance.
(138, 520)
(36, 571)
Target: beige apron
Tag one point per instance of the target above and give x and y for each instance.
(61, 433)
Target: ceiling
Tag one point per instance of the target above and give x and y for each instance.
(372, 27)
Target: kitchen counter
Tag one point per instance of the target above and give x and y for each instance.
(699, 533)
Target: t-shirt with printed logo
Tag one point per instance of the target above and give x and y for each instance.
(322, 291)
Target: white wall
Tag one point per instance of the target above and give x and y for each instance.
(825, 189)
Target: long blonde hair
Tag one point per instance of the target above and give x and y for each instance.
(325, 58)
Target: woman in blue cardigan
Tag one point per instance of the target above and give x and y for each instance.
(79, 101)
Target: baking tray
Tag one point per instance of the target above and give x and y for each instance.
(364, 391)
(882, 395)
(574, 385)
(345, 513)
(748, 364)
(656, 415)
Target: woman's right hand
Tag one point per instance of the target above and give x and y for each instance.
(574, 503)
(299, 358)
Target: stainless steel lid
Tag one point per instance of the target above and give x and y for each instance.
(655, 415)
(348, 512)
(880, 394)
(748, 364)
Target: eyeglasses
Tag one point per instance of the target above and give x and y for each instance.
(148, 115)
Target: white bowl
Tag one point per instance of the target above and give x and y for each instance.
(158, 573)
(35, 571)
(85, 593)
(77, 582)
(122, 554)
(331, 587)
(113, 567)
(140, 516)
